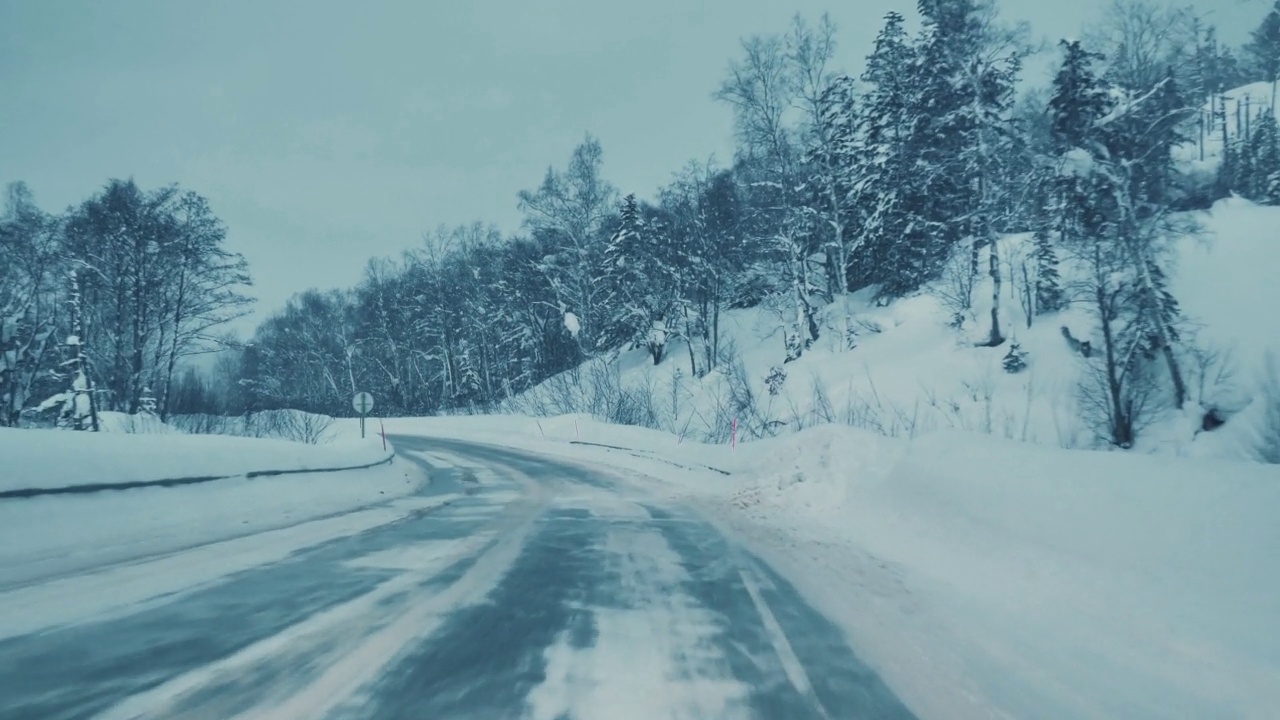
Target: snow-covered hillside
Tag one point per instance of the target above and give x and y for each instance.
(912, 373)
(1243, 106)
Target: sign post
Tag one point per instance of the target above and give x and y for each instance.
(363, 403)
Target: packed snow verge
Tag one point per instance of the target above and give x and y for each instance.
(984, 577)
(53, 461)
(262, 485)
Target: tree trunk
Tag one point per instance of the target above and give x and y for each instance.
(1029, 305)
(688, 335)
(1175, 373)
(178, 304)
(715, 333)
(996, 337)
(1120, 420)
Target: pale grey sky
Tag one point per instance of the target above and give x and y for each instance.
(325, 132)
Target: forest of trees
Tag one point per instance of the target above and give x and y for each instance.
(839, 183)
(99, 305)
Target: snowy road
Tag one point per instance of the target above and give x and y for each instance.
(538, 590)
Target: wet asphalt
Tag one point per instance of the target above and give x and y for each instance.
(594, 572)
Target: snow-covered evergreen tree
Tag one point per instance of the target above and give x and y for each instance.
(967, 69)
(1260, 159)
(904, 243)
(640, 282)
(1049, 296)
(1015, 361)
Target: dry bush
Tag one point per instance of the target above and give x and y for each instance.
(292, 425)
(956, 286)
(1119, 419)
(303, 427)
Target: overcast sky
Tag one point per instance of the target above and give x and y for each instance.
(325, 133)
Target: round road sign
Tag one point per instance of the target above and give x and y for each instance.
(362, 402)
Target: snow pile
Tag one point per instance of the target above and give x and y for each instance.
(1054, 583)
(58, 459)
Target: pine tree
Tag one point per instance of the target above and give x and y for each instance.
(1247, 181)
(623, 276)
(968, 80)
(640, 282)
(1228, 177)
(1261, 157)
(1079, 103)
(944, 126)
(1048, 291)
(896, 237)
(1162, 120)
(1015, 361)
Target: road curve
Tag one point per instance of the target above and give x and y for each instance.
(544, 590)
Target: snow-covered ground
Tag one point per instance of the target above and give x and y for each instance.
(984, 577)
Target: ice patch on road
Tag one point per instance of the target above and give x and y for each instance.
(425, 557)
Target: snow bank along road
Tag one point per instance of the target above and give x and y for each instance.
(514, 586)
